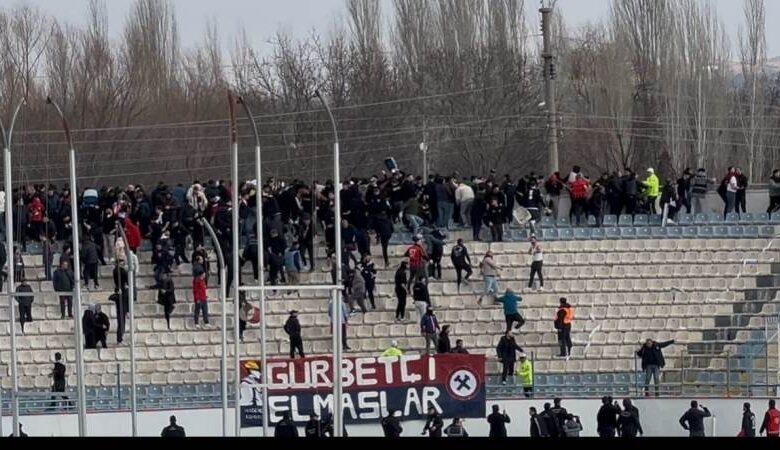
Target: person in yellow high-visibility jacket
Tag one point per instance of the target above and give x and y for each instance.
(393, 350)
(653, 186)
(525, 371)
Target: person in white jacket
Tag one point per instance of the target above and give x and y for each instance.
(464, 197)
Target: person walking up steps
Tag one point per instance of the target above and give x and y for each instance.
(537, 258)
(461, 262)
(401, 291)
(490, 273)
(511, 314)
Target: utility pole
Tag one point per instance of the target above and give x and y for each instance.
(548, 72)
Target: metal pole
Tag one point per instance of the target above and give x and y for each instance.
(235, 242)
(728, 374)
(261, 267)
(549, 89)
(338, 410)
(223, 300)
(9, 239)
(118, 386)
(1, 402)
(74, 214)
(131, 271)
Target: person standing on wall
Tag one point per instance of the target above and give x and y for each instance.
(173, 430)
(498, 423)
(652, 362)
(693, 419)
(563, 319)
(293, 329)
(771, 423)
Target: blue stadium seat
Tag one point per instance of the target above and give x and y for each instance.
(626, 220)
(719, 377)
(627, 232)
(760, 218)
(520, 235)
(606, 378)
(591, 221)
(643, 232)
(597, 233)
(674, 232)
(563, 222)
(736, 231)
(540, 379)
(573, 379)
(747, 218)
(685, 219)
(721, 231)
(751, 230)
(656, 220)
(612, 233)
(659, 232)
(548, 222)
(556, 380)
(582, 233)
(714, 218)
(610, 220)
(704, 377)
(701, 219)
(767, 231)
(731, 218)
(549, 234)
(706, 231)
(565, 234)
(690, 232)
(623, 378)
(775, 217)
(641, 220)
(589, 378)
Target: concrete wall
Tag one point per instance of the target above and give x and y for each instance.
(658, 417)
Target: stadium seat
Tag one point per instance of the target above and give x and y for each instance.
(746, 218)
(582, 233)
(736, 231)
(706, 231)
(598, 233)
(655, 220)
(628, 232)
(549, 234)
(674, 232)
(767, 231)
(640, 220)
(760, 218)
(591, 221)
(685, 219)
(775, 218)
(751, 230)
(565, 234)
(626, 220)
(690, 232)
(643, 232)
(659, 232)
(714, 218)
(721, 231)
(563, 222)
(701, 219)
(548, 222)
(611, 220)
(612, 233)
(731, 218)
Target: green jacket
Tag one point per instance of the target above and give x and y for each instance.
(392, 351)
(526, 373)
(653, 185)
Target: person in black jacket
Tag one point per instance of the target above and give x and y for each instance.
(368, 271)
(693, 419)
(628, 420)
(63, 281)
(90, 258)
(166, 297)
(293, 329)
(538, 426)
(313, 428)
(461, 262)
(88, 328)
(401, 281)
(498, 421)
(102, 325)
(606, 418)
(652, 362)
(286, 427)
(444, 345)
(58, 380)
(559, 414)
(748, 422)
(173, 430)
(550, 422)
(25, 303)
(506, 351)
(391, 426)
(433, 423)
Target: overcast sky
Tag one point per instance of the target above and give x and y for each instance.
(262, 18)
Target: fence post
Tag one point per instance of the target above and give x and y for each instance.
(728, 373)
(118, 386)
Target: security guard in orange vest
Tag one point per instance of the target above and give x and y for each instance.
(771, 422)
(563, 319)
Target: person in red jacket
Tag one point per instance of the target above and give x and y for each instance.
(133, 235)
(771, 422)
(579, 198)
(35, 212)
(199, 296)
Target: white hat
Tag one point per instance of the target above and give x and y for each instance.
(521, 355)
(650, 169)
(394, 343)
